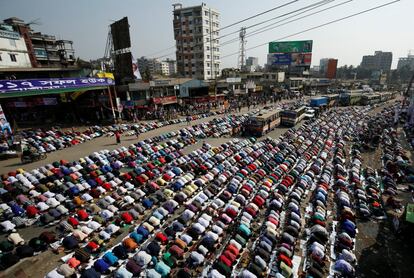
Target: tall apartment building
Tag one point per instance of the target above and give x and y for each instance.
(379, 61)
(327, 67)
(196, 32)
(406, 61)
(172, 66)
(323, 64)
(252, 64)
(161, 67)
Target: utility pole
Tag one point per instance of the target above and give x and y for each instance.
(242, 49)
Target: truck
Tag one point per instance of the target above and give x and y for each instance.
(318, 101)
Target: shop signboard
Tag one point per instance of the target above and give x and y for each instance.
(10, 86)
(280, 77)
(233, 79)
(9, 35)
(291, 47)
(165, 100)
(49, 101)
(161, 82)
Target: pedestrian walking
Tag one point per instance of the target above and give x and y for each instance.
(118, 137)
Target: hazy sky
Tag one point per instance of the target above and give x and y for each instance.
(86, 23)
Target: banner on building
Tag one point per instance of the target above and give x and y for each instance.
(4, 124)
(291, 47)
(135, 70)
(9, 86)
(103, 74)
(290, 59)
(301, 59)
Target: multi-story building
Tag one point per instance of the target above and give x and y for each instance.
(327, 67)
(196, 32)
(42, 50)
(406, 61)
(145, 64)
(252, 64)
(172, 66)
(13, 50)
(379, 61)
(161, 67)
(323, 63)
(155, 66)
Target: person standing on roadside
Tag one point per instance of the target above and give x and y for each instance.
(118, 137)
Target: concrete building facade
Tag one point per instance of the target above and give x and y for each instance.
(196, 32)
(172, 66)
(13, 50)
(327, 67)
(379, 61)
(155, 66)
(252, 64)
(406, 61)
(42, 50)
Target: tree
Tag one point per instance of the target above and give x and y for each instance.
(147, 76)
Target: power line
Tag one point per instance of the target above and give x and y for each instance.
(259, 14)
(158, 52)
(230, 25)
(319, 4)
(323, 2)
(258, 31)
(319, 26)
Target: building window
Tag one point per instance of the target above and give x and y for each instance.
(13, 57)
(0, 57)
(205, 12)
(208, 64)
(208, 56)
(207, 30)
(208, 72)
(193, 73)
(186, 72)
(208, 48)
(206, 21)
(192, 65)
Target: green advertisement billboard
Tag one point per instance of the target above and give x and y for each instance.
(291, 47)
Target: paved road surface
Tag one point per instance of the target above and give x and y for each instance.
(75, 152)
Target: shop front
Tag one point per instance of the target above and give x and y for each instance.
(37, 102)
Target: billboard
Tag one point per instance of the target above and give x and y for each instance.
(281, 59)
(290, 59)
(301, 59)
(123, 66)
(120, 34)
(291, 46)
